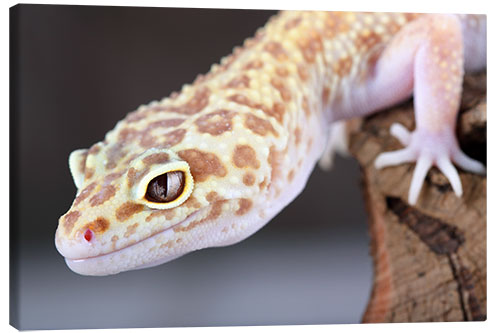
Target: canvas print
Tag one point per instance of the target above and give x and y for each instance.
(216, 167)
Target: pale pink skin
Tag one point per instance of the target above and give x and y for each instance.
(427, 58)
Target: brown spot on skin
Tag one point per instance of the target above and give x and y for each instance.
(291, 175)
(128, 209)
(85, 193)
(83, 160)
(239, 82)
(243, 100)
(111, 177)
(148, 141)
(298, 135)
(89, 172)
(167, 214)
(248, 179)
(305, 106)
(369, 70)
(245, 156)
(285, 93)
(343, 66)
(411, 16)
(263, 185)
(197, 103)
(282, 71)
(128, 134)
(216, 210)
(276, 50)
(165, 123)
(393, 27)
(366, 40)
(213, 196)
(174, 137)
(303, 71)
(95, 149)
(131, 229)
(106, 193)
(275, 159)
(215, 123)
(258, 125)
(99, 225)
(225, 230)
(114, 154)
(131, 176)
(277, 111)
(311, 46)
(254, 64)
(203, 164)
(293, 23)
(192, 202)
(158, 158)
(245, 206)
(335, 24)
(70, 220)
(325, 95)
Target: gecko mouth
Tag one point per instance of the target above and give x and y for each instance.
(137, 255)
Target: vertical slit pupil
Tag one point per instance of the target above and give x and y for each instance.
(165, 187)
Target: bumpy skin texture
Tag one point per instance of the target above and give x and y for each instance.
(247, 135)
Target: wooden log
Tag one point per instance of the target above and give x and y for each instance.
(429, 259)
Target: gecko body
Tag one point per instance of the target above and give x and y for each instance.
(213, 163)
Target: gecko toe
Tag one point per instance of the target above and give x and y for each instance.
(444, 164)
(394, 158)
(467, 163)
(424, 163)
(401, 133)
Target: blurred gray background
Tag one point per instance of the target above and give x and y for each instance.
(76, 71)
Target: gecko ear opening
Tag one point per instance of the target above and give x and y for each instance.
(77, 161)
(162, 185)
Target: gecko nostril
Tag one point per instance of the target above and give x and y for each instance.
(88, 235)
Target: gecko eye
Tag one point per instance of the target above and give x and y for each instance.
(166, 187)
(164, 183)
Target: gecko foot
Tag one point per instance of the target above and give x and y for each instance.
(428, 149)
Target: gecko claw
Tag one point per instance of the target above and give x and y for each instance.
(428, 149)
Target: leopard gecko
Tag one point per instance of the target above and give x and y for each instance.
(211, 164)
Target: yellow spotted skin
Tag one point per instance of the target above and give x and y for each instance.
(246, 135)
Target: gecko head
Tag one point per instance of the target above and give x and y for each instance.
(137, 208)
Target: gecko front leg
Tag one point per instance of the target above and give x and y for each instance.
(430, 54)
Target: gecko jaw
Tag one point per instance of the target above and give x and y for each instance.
(136, 255)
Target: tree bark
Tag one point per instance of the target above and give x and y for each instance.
(429, 259)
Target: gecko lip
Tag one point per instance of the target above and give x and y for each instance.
(90, 265)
